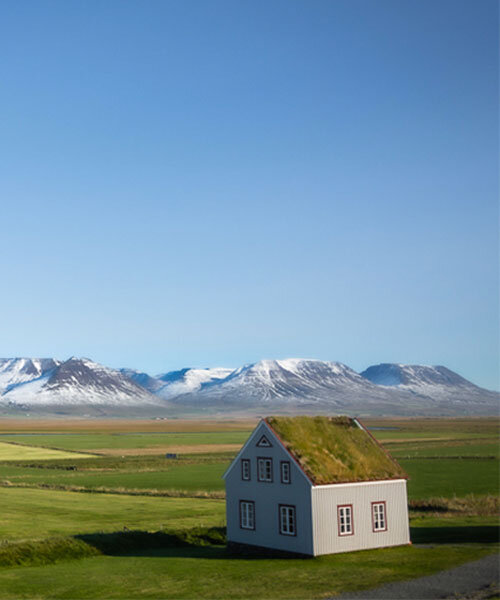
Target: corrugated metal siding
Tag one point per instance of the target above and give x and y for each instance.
(324, 515)
(267, 498)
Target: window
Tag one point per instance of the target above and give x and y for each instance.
(264, 442)
(285, 471)
(247, 514)
(344, 516)
(287, 520)
(265, 469)
(379, 520)
(245, 469)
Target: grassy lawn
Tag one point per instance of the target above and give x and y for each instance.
(37, 514)
(209, 572)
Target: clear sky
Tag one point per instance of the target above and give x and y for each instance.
(212, 182)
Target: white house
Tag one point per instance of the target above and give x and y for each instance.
(315, 485)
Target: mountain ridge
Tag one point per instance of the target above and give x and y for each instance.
(287, 385)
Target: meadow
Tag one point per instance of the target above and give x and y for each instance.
(74, 496)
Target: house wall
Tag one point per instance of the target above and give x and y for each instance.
(267, 498)
(326, 499)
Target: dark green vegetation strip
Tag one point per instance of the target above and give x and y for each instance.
(119, 543)
(44, 552)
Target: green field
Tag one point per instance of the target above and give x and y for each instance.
(179, 477)
(41, 512)
(104, 441)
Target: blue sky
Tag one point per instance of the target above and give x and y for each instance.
(213, 182)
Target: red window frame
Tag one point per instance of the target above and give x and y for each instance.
(339, 506)
(373, 516)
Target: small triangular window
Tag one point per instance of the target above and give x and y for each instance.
(264, 442)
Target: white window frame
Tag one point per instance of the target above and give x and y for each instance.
(345, 519)
(288, 519)
(247, 514)
(245, 469)
(265, 469)
(285, 471)
(379, 516)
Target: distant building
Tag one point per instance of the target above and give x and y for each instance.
(315, 485)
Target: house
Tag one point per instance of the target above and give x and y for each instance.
(315, 485)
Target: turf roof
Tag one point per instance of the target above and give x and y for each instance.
(335, 449)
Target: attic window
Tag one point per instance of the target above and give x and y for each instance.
(245, 469)
(264, 442)
(285, 471)
(344, 518)
(379, 520)
(265, 469)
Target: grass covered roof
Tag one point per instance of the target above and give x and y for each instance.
(335, 449)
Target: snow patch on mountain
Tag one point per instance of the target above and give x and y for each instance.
(14, 371)
(184, 381)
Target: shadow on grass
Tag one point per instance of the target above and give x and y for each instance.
(211, 542)
(455, 535)
(192, 543)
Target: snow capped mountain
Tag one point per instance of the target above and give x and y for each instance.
(287, 384)
(413, 375)
(14, 371)
(292, 385)
(308, 385)
(436, 382)
(189, 380)
(78, 382)
(288, 378)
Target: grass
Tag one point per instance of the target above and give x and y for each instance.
(334, 449)
(468, 505)
(60, 544)
(129, 441)
(38, 514)
(210, 572)
(64, 425)
(9, 452)
(449, 477)
(447, 449)
(187, 477)
(455, 530)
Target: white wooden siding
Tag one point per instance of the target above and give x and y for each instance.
(326, 499)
